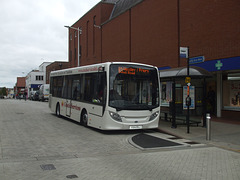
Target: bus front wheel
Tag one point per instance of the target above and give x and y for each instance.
(84, 118)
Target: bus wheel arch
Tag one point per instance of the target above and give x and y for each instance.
(84, 118)
(58, 114)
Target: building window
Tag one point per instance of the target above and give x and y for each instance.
(94, 22)
(79, 48)
(75, 56)
(70, 55)
(39, 78)
(231, 92)
(87, 39)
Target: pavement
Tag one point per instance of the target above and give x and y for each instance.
(37, 145)
(224, 133)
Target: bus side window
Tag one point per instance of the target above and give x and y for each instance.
(82, 87)
(54, 87)
(87, 89)
(65, 83)
(59, 86)
(75, 91)
(99, 88)
(102, 87)
(76, 88)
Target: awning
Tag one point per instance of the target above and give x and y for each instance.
(194, 72)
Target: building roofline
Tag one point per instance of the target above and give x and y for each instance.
(125, 5)
(44, 62)
(122, 11)
(100, 2)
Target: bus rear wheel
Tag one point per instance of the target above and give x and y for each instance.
(84, 118)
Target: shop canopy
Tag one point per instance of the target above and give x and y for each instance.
(194, 72)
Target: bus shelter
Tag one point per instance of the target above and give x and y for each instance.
(174, 90)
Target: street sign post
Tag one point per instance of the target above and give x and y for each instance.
(184, 53)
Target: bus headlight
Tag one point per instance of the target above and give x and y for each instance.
(153, 116)
(115, 116)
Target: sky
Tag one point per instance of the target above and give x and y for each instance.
(33, 32)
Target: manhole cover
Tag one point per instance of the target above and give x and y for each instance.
(71, 176)
(47, 167)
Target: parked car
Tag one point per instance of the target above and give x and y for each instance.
(44, 92)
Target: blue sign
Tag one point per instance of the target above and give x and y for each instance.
(163, 68)
(221, 64)
(196, 60)
(35, 85)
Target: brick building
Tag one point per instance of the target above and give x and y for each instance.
(56, 65)
(151, 32)
(20, 87)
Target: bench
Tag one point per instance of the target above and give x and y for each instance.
(166, 116)
(193, 120)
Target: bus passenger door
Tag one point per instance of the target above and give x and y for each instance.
(95, 93)
(68, 107)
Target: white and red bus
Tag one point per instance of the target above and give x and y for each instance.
(108, 96)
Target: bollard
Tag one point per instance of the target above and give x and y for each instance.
(208, 124)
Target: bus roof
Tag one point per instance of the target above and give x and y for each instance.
(90, 68)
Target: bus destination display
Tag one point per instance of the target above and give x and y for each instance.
(132, 71)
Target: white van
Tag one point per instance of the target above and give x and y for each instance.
(44, 92)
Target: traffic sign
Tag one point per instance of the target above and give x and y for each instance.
(184, 52)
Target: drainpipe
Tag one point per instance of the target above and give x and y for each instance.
(178, 23)
(130, 35)
(219, 94)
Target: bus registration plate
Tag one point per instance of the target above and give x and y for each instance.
(135, 127)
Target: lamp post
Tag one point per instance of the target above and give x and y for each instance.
(79, 32)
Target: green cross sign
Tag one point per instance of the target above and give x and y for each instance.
(218, 65)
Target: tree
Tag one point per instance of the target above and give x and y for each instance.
(3, 91)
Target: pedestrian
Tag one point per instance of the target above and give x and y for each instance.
(25, 95)
(211, 100)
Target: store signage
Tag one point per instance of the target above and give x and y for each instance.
(225, 64)
(195, 60)
(219, 65)
(183, 52)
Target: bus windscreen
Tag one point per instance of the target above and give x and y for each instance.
(133, 87)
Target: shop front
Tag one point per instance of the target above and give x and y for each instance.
(225, 84)
(231, 94)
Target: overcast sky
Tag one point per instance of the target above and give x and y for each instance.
(32, 32)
